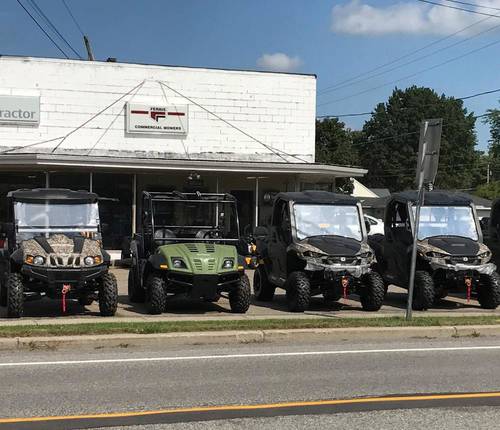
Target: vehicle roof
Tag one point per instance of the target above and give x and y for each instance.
(60, 195)
(325, 197)
(435, 198)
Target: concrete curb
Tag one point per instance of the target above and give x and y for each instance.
(244, 336)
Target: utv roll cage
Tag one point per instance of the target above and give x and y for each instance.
(52, 195)
(150, 227)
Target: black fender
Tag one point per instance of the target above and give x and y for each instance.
(17, 257)
(156, 260)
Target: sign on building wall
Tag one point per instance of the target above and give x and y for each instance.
(157, 119)
(19, 110)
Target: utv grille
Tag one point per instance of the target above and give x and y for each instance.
(211, 264)
(463, 260)
(64, 261)
(198, 265)
(342, 260)
(191, 247)
(210, 247)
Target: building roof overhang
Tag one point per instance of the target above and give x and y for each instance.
(42, 161)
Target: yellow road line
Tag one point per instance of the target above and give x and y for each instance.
(257, 406)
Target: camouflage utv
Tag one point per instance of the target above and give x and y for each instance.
(54, 249)
(188, 247)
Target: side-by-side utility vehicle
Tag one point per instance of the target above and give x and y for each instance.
(54, 249)
(188, 246)
(316, 244)
(451, 255)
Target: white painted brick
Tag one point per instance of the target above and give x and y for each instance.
(277, 109)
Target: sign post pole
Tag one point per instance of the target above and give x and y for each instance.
(427, 165)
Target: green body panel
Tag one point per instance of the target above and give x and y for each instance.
(200, 258)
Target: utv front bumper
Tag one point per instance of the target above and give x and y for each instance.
(197, 286)
(59, 275)
(356, 271)
(483, 269)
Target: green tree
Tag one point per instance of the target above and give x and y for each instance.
(391, 136)
(493, 119)
(489, 191)
(334, 143)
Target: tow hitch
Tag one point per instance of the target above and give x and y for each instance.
(345, 285)
(468, 285)
(65, 290)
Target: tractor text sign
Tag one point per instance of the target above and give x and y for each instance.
(147, 119)
(20, 110)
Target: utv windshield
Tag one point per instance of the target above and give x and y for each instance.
(446, 221)
(49, 217)
(327, 220)
(203, 219)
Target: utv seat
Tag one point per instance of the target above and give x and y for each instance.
(164, 233)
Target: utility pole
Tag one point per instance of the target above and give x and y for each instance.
(488, 174)
(90, 55)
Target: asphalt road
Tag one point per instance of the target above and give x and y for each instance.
(57, 383)
(48, 310)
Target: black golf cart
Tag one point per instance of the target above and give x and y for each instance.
(188, 246)
(54, 249)
(451, 254)
(316, 244)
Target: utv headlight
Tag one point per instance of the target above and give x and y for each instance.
(366, 255)
(312, 254)
(89, 261)
(434, 254)
(485, 254)
(228, 263)
(178, 263)
(38, 260)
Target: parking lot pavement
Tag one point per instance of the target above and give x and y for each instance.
(180, 309)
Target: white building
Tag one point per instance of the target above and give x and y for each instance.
(118, 129)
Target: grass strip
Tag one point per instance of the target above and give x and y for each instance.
(224, 325)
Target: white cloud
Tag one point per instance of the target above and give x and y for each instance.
(359, 18)
(279, 62)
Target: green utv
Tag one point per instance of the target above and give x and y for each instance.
(188, 246)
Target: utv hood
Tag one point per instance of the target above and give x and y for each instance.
(455, 245)
(333, 245)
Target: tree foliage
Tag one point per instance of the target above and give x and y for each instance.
(334, 143)
(388, 146)
(489, 191)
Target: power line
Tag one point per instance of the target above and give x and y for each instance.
(459, 8)
(51, 25)
(414, 107)
(73, 18)
(422, 57)
(473, 51)
(473, 5)
(43, 30)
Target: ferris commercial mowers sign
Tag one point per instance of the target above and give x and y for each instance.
(19, 110)
(157, 119)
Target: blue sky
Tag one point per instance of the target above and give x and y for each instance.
(336, 40)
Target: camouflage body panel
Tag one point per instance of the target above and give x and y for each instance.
(63, 254)
(200, 258)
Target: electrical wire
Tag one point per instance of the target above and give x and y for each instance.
(43, 30)
(413, 107)
(459, 8)
(459, 57)
(422, 57)
(51, 25)
(481, 6)
(73, 17)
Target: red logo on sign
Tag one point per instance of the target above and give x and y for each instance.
(156, 115)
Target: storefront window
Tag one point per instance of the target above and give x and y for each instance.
(115, 208)
(15, 181)
(73, 181)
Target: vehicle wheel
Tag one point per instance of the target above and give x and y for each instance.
(239, 297)
(372, 292)
(263, 290)
(85, 301)
(108, 295)
(298, 292)
(488, 294)
(157, 294)
(135, 293)
(440, 292)
(3, 295)
(15, 295)
(423, 293)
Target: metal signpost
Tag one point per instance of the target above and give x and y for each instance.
(427, 166)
